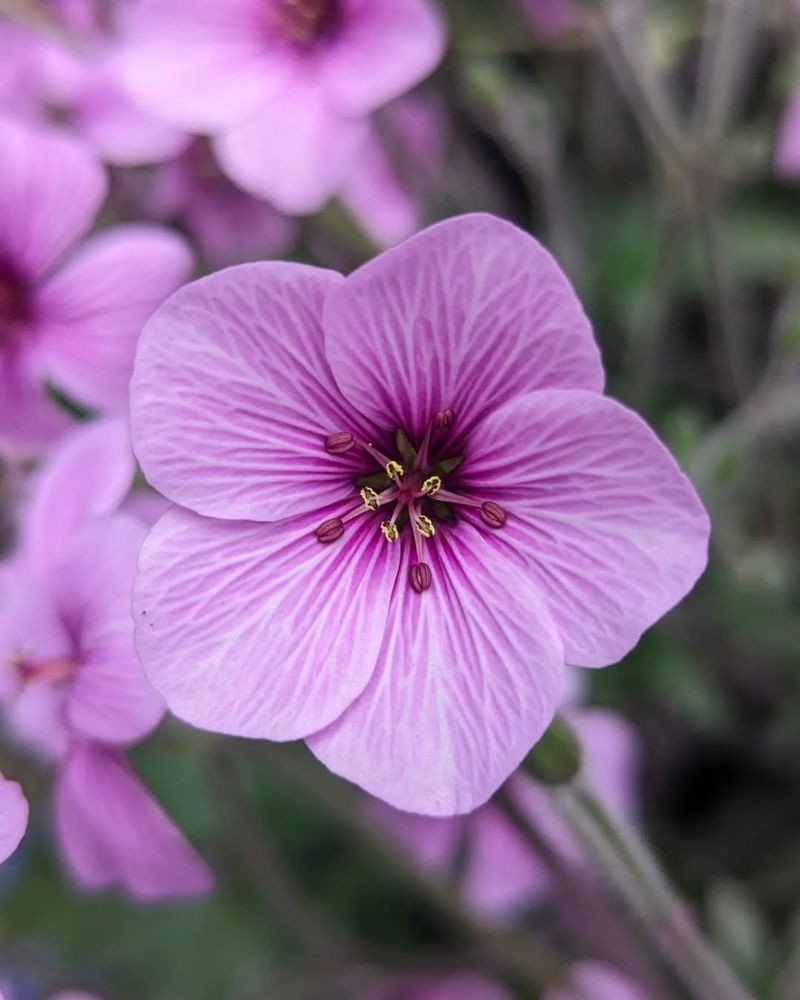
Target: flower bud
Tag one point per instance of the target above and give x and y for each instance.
(556, 758)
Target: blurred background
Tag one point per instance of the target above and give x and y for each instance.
(654, 148)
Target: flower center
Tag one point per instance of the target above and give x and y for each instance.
(48, 671)
(14, 303)
(410, 489)
(304, 22)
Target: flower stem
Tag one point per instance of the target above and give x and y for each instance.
(630, 867)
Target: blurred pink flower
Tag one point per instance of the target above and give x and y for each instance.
(67, 71)
(787, 148)
(112, 832)
(13, 817)
(74, 690)
(464, 986)
(73, 324)
(229, 226)
(285, 86)
(416, 636)
(401, 161)
(500, 873)
(597, 982)
(551, 18)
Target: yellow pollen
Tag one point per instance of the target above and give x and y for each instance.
(370, 498)
(390, 532)
(432, 485)
(394, 470)
(426, 527)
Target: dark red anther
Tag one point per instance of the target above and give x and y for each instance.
(329, 531)
(340, 443)
(444, 419)
(420, 577)
(492, 514)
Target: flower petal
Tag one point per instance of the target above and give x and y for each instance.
(89, 475)
(466, 682)
(597, 982)
(385, 49)
(232, 398)
(50, 190)
(13, 817)
(119, 130)
(464, 316)
(202, 65)
(258, 629)
(93, 310)
(598, 512)
(310, 161)
(110, 699)
(113, 833)
(29, 419)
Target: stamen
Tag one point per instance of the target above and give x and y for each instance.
(444, 419)
(420, 577)
(389, 531)
(339, 443)
(330, 530)
(492, 514)
(394, 470)
(371, 499)
(431, 485)
(425, 526)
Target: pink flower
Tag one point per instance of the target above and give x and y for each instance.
(787, 150)
(76, 693)
(67, 69)
(551, 18)
(412, 625)
(500, 873)
(597, 982)
(399, 164)
(229, 226)
(285, 86)
(464, 986)
(13, 818)
(75, 323)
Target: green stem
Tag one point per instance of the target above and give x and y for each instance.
(631, 869)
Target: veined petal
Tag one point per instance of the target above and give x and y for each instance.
(88, 476)
(241, 431)
(467, 680)
(92, 311)
(50, 190)
(109, 699)
(113, 834)
(258, 629)
(599, 513)
(463, 316)
(13, 817)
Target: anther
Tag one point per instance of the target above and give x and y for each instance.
(431, 485)
(444, 419)
(394, 470)
(329, 531)
(420, 577)
(492, 514)
(371, 499)
(340, 443)
(425, 526)
(389, 531)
